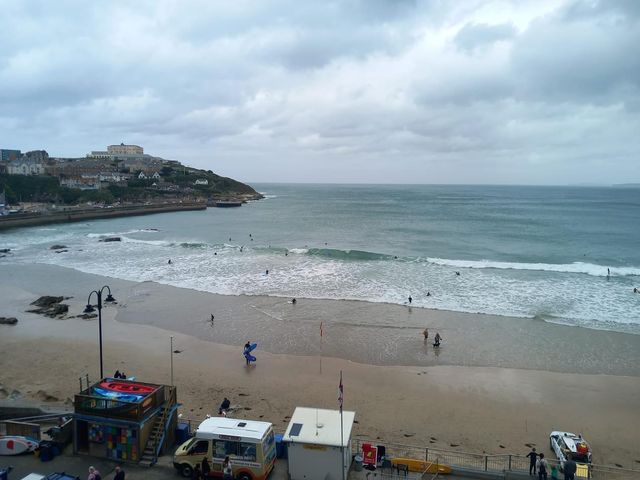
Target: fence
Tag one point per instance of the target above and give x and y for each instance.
(486, 463)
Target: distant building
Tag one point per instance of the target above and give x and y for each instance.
(123, 149)
(3, 168)
(101, 155)
(83, 182)
(201, 181)
(83, 166)
(142, 176)
(25, 166)
(39, 156)
(8, 155)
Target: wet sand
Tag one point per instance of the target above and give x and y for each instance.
(479, 393)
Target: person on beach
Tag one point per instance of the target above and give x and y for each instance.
(117, 374)
(94, 474)
(197, 473)
(224, 406)
(426, 334)
(410, 299)
(570, 468)
(293, 301)
(119, 473)
(533, 456)
(543, 467)
(554, 472)
(247, 353)
(437, 339)
(227, 469)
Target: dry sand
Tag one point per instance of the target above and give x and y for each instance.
(478, 408)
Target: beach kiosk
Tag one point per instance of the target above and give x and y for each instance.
(316, 447)
(124, 420)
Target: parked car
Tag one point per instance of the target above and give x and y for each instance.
(564, 444)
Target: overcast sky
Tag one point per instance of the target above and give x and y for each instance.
(368, 91)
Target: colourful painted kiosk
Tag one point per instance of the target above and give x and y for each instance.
(124, 420)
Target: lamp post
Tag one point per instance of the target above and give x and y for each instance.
(89, 309)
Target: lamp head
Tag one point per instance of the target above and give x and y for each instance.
(89, 308)
(110, 298)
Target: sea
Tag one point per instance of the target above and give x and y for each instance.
(568, 255)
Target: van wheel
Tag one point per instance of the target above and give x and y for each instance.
(244, 476)
(186, 470)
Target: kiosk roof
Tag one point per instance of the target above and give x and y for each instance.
(319, 426)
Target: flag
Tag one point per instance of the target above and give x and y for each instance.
(340, 393)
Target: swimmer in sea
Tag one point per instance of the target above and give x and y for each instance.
(428, 294)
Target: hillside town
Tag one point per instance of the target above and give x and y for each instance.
(120, 174)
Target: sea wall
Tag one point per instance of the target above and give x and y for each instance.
(31, 219)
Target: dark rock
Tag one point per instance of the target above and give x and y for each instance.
(55, 310)
(111, 239)
(57, 247)
(8, 320)
(5, 250)
(47, 301)
(62, 251)
(87, 316)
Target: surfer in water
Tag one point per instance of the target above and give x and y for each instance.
(410, 299)
(169, 262)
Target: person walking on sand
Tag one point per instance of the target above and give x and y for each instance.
(533, 456)
(437, 339)
(426, 334)
(543, 467)
(410, 299)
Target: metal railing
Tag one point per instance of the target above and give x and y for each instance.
(498, 464)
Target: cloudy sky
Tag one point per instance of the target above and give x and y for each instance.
(366, 91)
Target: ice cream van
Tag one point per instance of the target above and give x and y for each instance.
(250, 446)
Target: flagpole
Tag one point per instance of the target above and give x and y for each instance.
(341, 424)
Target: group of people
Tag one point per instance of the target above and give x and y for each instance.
(202, 470)
(539, 464)
(436, 340)
(120, 374)
(94, 474)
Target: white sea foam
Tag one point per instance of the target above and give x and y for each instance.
(299, 251)
(576, 267)
(128, 232)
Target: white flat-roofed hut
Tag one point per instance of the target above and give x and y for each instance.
(316, 446)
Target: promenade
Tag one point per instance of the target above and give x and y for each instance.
(81, 214)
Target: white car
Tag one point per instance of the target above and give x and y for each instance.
(565, 443)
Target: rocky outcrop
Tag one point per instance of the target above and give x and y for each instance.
(5, 250)
(8, 320)
(50, 306)
(57, 247)
(111, 239)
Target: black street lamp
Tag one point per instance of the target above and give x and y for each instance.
(89, 309)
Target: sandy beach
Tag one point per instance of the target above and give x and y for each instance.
(496, 384)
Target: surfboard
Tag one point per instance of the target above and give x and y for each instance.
(15, 445)
(421, 466)
(252, 347)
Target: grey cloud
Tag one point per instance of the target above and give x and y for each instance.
(474, 35)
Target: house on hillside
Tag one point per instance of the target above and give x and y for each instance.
(142, 176)
(81, 182)
(25, 166)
